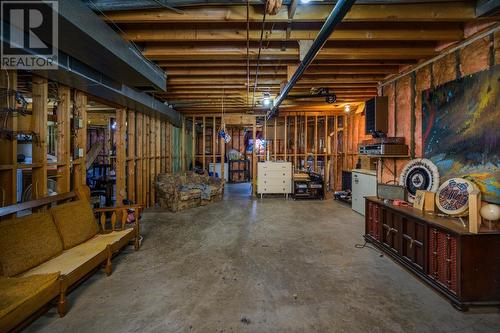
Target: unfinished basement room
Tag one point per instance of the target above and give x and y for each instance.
(250, 166)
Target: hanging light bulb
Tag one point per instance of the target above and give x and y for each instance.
(266, 100)
(347, 108)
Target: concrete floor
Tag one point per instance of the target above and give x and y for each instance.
(259, 266)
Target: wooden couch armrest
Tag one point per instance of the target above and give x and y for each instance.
(118, 213)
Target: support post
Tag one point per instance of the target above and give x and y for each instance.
(8, 146)
(254, 158)
(204, 143)
(63, 114)
(79, 164)
(139, 167)
(39, 146)
(120, 158)
(131, 155)
(193, 143)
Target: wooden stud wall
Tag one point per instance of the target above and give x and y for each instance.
(131, 156)
(80, 111)
(39, 146)
(121, 156)
(63, 140)
(8, 147)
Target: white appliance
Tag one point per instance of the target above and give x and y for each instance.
(364, 183)
(218, 170)
(274, 178)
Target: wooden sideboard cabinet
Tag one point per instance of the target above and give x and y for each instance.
(462, 266)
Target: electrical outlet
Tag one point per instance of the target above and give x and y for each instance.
(80, 152)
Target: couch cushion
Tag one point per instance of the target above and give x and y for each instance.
(188, 194)
(70, 260)
(113, 238)
(26, 242)
(17, 291)
(75, 221)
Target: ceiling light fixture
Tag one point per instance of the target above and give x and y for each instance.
(347, 108)
(266, 100)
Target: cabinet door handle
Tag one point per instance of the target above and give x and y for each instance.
(411, 242)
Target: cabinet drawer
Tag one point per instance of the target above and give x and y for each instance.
(274, 189)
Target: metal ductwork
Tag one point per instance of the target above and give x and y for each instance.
(85, 36)
(335, 17)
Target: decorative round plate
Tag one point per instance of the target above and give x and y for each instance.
(453, 196)
(419, 174)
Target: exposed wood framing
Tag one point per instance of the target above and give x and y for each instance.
(39, 147)
(139, 166)
(79, 166)
(8, 146)
(131, 156)
(121, 156)
(63, 140)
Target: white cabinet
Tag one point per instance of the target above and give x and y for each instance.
(274, 177)
(364, 183)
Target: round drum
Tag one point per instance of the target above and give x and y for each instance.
(453, 196)
(419, 174)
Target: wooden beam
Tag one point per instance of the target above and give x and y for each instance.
(281, 63)
(139, 167)
(79, 166)
(204, 142)
(228, 52)
(275, 139)
(131, 156)
(63, 114)
(412, 12)
(146, 165)
(254, 160)
(8, 146)
(39, 148)
(152, 158)
(286, 138)
(120, 134)
(183, 144)
(193, 142)
(214, 142)
(315, 143)
(295, 143)
(201, 33)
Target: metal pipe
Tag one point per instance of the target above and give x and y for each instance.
(335, 17)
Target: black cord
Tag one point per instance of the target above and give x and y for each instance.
(362, 246)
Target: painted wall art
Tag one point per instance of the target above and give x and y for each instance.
(461, 130)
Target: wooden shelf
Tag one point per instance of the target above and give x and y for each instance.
(386, 156)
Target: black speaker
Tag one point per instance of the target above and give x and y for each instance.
(376, 115)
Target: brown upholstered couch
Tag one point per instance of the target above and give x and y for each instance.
(178, 191)
(44, 254)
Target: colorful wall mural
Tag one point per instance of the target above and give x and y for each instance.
(461, 130)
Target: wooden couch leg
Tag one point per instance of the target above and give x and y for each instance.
(62, 307)
(109, 267)
(137, 243)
